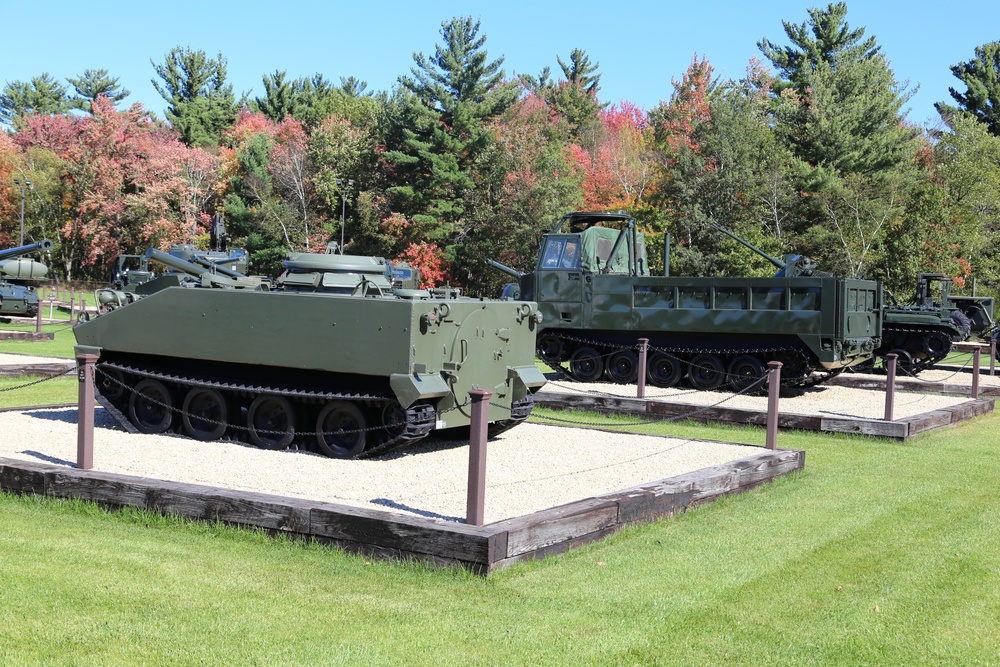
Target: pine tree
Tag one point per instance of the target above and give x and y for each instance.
(981, 77)
(202, 104)
(43, 95)
(441, 126)
(281, 97)
(92, 83)
(823, 38)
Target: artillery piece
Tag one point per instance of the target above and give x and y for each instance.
(597, 298)
(208, 352)
(19, 297)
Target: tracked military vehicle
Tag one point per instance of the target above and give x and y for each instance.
(597, 298)
(335, 357)
(129, 271)
(19, 297)
(919, 335)
(923, 332)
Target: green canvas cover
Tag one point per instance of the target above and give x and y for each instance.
(598, 242)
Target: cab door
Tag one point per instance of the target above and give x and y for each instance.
(560, 293)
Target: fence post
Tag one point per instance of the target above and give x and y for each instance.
(477, 456)
(890, 385)
(774, 384)
(975, 373)
(993, 355)
(641, 388)
(85, 412)
(38, 319)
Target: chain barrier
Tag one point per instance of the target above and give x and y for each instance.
(41, 380)
(657, 420)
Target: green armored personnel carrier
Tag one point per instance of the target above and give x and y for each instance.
(597, 299)
(19, 297)
(336, 357)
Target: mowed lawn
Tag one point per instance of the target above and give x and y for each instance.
(878, 553)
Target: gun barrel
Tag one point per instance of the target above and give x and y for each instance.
(216, 265)
(175, 262)
(774, 260)
(503, 267)
(10, 253)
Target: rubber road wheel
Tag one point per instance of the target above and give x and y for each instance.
(271, 422)
(664, 370)
(706, 372)
(111, 384)
(150, 407)
(205, 414)
(551, 348)
(623, 367)
(745, 371)
(340, 430)
(586, 365)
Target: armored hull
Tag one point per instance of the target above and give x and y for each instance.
(216, 356)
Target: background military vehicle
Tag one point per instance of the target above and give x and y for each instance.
(919, 335)
(922, 333)
(19, 275)
(210, 353)
(597, 298)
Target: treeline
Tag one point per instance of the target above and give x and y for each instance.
(459, 162)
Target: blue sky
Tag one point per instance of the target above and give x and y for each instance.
(640, 45)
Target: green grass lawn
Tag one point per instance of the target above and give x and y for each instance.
(878, 553)
(17, 392)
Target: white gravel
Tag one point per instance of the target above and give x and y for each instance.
(529, 468)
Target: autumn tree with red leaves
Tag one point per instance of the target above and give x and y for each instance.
(124, 180)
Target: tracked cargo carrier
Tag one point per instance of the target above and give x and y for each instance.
(336, 357)
(597, 299)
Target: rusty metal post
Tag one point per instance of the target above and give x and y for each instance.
(85, 412)
(476, 501)
(641, 388)
(38, 319)
(975, 373)
(774, 385)
(890, 385)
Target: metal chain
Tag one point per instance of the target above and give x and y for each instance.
(659, 419)
(41, 380)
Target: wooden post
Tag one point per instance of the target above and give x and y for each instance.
(38, 319)
(993, 355)
(641, 388)
(890, 385)
(72, 308)
(476, 501)
(85, 412)
(774, 384)
(975, 373)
